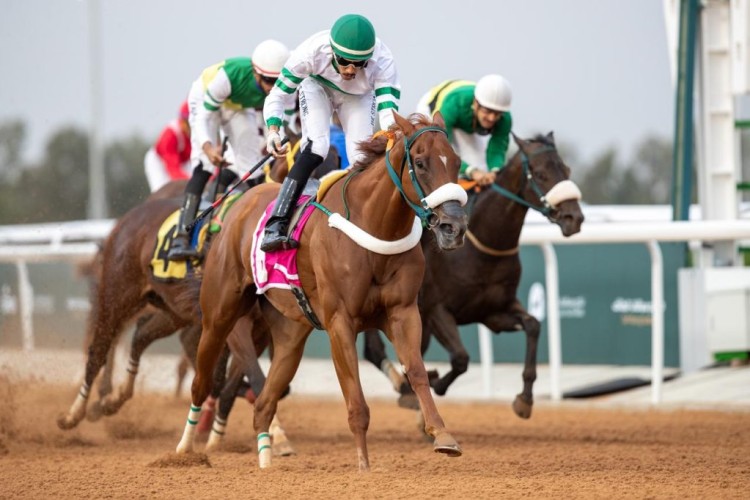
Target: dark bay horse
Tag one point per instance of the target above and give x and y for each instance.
(348, 287)
(478, 283)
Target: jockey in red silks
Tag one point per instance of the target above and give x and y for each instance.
(169, 158)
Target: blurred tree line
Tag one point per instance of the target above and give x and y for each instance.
(56, 189)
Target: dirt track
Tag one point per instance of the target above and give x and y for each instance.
(560, 452)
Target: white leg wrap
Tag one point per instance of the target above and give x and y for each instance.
(78, 410)
(186, 443)
(264, 450)
(393, 374)
(217, 434)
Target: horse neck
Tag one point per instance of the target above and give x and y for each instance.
(375, 203)
(496, 220)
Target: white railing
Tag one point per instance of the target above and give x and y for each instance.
(63, 241)
(648, 233)
(75, 241)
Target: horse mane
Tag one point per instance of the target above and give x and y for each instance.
(541, 139)
(374, 147)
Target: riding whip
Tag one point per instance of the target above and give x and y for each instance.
(231, 188)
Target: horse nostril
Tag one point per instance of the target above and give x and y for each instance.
(449, 229)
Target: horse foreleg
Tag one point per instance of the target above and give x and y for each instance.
(405, 331)
(225, 389)
(374, 352)
(344, 353)
(289, 343)
(443, 326)
(518, 320)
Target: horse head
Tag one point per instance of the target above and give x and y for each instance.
(545, 183)
(428, 173)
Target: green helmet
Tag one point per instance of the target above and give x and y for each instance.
(353, 37)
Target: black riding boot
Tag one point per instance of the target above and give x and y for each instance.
(274, 236)
(181, 248)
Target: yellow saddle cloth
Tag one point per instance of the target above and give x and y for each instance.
(169, 270)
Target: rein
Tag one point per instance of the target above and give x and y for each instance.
(545, 207)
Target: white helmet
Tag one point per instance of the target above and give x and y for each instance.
(493, 92)
(269, 57)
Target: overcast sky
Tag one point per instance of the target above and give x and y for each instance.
(594, 71)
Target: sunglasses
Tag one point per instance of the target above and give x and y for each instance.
(267, 79)
(346, 62)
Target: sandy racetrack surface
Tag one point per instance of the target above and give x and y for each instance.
(562, 451)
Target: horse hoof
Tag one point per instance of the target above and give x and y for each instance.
(444, 443)
(65, 423)
(283, 449)
(522, 407)
(408, 401)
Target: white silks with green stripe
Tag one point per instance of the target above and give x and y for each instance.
(313, 58)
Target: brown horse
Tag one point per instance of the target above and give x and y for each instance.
(153, 324)
(348, 287)
(478, 283)
(124, 290)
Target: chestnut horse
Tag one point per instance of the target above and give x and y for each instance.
(478, 283)
(349, 286)
(124, 290)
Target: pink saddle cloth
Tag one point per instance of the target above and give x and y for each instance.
(277, 269)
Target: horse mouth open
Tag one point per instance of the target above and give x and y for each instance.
(449, 225)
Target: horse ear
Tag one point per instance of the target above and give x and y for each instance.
(437, 119)
(406, 127)
(551, 137)
(519, 142)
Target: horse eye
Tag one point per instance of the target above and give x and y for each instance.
(419, 163)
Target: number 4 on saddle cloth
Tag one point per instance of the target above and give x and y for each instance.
(164, 269)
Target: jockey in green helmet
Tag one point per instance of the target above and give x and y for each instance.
(346, 70)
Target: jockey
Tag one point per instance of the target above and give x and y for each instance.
(346, 70)
(478, 120)
(169, 158)
(226, 97)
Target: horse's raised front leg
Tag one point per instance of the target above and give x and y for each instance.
(289, 344)
(516, 320)
(405, 331)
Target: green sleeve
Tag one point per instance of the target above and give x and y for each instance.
(498, 145)
(451, 111)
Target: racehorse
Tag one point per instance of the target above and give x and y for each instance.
(478, 283)
(125, 290)
(152, 324)
(347, 286)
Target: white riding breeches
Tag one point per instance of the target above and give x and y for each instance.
(243, 127)
(317, 104)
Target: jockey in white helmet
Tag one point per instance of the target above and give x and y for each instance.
(477, 117)
(226, 98)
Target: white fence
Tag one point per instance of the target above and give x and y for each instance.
(75, 241)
